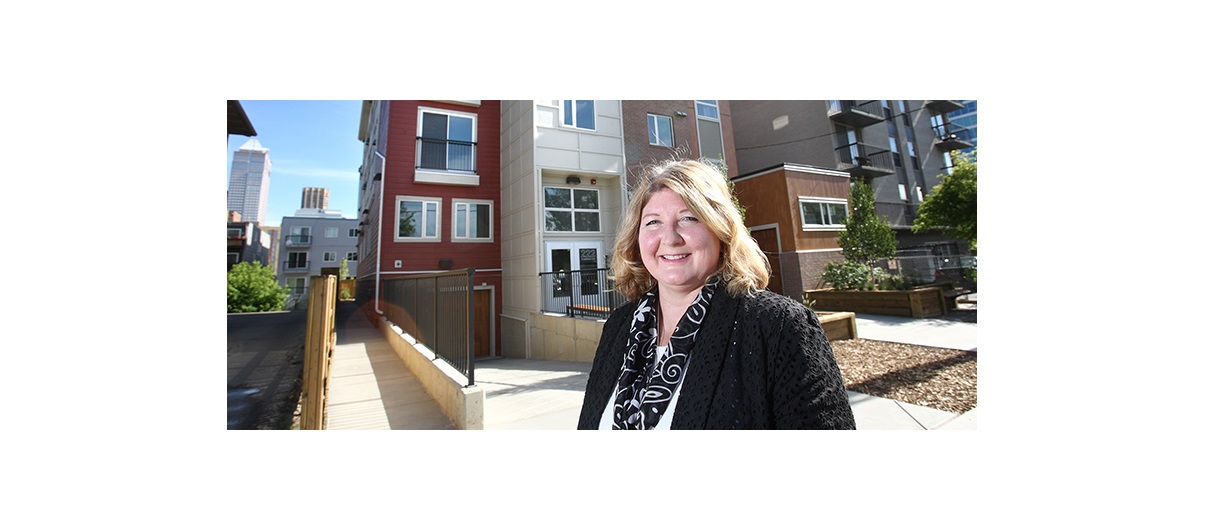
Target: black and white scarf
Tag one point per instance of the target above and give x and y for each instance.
(645, 386)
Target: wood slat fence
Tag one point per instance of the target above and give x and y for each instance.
(319, 347)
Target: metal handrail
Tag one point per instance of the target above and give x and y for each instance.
(585, 292)
(437, 310)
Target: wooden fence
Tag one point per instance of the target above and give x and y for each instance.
(319, 346)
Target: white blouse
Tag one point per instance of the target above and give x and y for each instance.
(608, 417)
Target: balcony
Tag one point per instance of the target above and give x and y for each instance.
(941, 106)
(297, 241)
(952, 137)
(297, 266)
(867, 161)
(856, 114)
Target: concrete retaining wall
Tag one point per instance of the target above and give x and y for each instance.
(465, 407)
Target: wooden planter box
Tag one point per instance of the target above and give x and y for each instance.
(838, 325)
(922, 302)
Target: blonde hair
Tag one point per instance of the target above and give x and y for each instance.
(743, 266)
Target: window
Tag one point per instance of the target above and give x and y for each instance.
(822, 213)
(295, 285)
(298, 260)
(231, 259)
(447, 141)
(920, 197)
(353, 232)
(328, 257)
(571, 210)
(332, 231)
(903, 192)
(711, 140)
(578, 113)
(234, 232)
(472, 220)
(353, 256)
(298, 235)
(417, 219)
(661, 130)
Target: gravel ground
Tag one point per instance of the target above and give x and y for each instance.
(938, 378)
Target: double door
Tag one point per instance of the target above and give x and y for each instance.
(564, 258)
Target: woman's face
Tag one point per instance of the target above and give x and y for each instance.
(677, 248)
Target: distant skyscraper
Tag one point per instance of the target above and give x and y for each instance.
(250, 172)
(315, 198)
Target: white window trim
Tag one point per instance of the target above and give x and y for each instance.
(329, 257)
(449, 177)
(823, 200)
(458, 202)
(331, 231)
(658, 131)
(351, 256)
(574, 121)
(397, 210)
(572, 209)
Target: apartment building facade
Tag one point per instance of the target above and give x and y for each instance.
(430, 201)
(315, 243)
(246, 242)
(901, 148)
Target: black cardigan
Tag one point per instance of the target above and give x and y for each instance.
(760, 362)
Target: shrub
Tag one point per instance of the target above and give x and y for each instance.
(850, 276)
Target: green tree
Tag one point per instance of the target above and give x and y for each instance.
(251, 287)
(867, 237)
(951, 206)
(343, 271)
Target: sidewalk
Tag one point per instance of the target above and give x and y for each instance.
(370, 387)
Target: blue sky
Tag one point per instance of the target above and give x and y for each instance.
(311, 144)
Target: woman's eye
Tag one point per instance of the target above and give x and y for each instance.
(651, 222)
(690, 219)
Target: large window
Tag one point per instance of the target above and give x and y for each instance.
(571, 210)
(417, 219)
(472, 220)
(297, 261)
(711, 141)
(661, 130)
(822, 213)
(578, 113)
(447, 141)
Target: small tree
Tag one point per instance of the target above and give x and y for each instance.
(251, 287)
(867, 237)
(951, 206)
(343, 271)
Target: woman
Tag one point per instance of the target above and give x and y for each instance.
(701, 344)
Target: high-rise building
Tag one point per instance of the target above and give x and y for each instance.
(250, 172)
(315, 198)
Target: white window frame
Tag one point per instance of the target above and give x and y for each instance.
(456, 204)
(353, 256)
(291, 285)
(569, 116)
(422, 229)
(238, 232)
(446, 176)
(304, 254)
(828, 201)
(329, 257)
(331, 231)
(656, 132)
(573, 210)
(353, 232)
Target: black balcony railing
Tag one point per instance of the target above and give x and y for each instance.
(586, 292)
(297, 240)
(437, 310)
(951, 137)
(447, 155)
(297, 265)
(864, 160)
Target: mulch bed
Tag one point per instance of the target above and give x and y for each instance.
(939, 378)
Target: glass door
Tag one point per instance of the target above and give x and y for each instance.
(568, 285)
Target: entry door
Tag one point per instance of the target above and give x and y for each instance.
(563, 257)
(483, 319)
